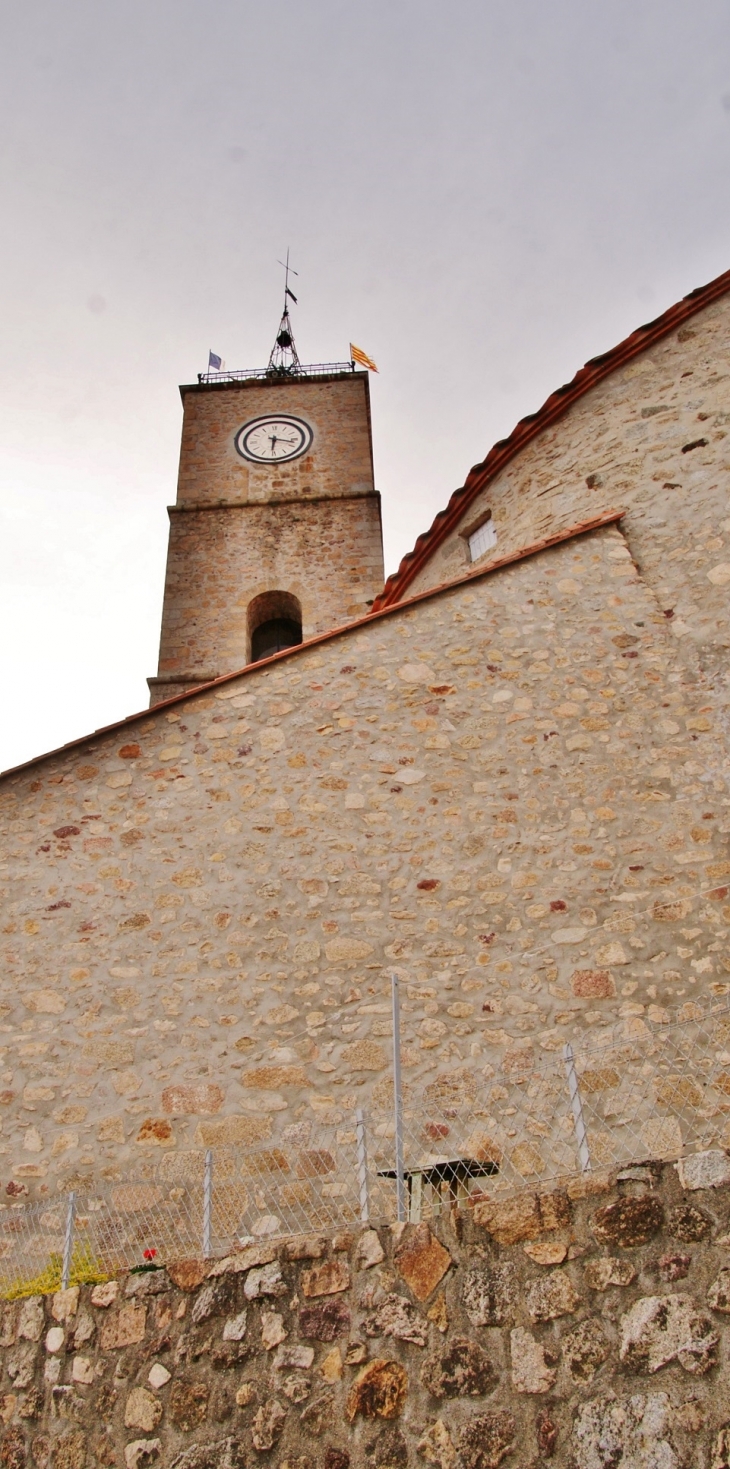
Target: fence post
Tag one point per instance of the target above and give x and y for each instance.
(68, 1241)
(398, 1105)
(581, 1134)
(362, 1166)
(207, 1202)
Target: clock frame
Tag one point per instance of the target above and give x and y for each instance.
(259, 440)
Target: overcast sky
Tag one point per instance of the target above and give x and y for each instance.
(481, 194)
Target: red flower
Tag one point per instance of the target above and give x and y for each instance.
(150, 1254)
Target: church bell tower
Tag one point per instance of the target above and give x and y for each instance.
(276, 532)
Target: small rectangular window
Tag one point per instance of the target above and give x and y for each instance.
(482, 540)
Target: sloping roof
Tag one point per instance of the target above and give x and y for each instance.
(610, 517)
(535, 423)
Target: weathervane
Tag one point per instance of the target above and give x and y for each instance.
(284, 361)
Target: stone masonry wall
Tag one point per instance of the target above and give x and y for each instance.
(340, 461)
(329, 555)
(650, 438)
(587, 1328)
(513, 792)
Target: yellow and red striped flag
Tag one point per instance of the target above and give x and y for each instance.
(357, 355)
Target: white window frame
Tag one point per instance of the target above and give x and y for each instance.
(482, 539)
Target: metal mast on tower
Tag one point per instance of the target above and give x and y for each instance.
(284, 361)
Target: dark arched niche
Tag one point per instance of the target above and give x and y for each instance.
(274, 623)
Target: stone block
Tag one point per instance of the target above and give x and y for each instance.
(265, 1280)
(152, 1282)
(531, 1370)
(629, 1222)
(142, 1410)
(379, 1390)
(489, 1293)
(125, 1328)
(202, 1098)
(593, 984)
(369, 1250)
(20, 1364)
(293, 1356)
(546, 1433)
(297, 1388)
(461, 1369)
(82, 1371)
(327, 1279)
(324, 1321)
(235, 1327)
(248, 1258)
(710, 1169)
(632, 1431)
(307, 1247)
(70, 1451)
(437, 1446)
(485, 1439)
(421, 1260)
(510, 1221)
(188, 1274)
(718, 1296)
(721, 1449)
(158, 1376)
(64, 1303)
(546, 1251)
(331, 1366)
(661, 1329)
(397, 1317)
(240, 1131)
(268, 1425)
(552, 1296)
(188, 1406)
(272, 1078)
(585, 1350)
(688, 1223)
(139, 1450)
(273, 1330)
(227, 1453)
(600, 1274)
(32, 1318)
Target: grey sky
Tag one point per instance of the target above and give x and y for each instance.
(480, 194)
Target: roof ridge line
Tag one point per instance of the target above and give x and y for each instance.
(533, 424)
(610, 517)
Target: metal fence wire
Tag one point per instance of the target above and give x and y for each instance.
(646, 1091)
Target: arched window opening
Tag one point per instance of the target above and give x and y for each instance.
(272, 637)
(274, 623)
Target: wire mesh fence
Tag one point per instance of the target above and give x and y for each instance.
(646, 1091)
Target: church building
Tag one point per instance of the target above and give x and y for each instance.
(501, 774)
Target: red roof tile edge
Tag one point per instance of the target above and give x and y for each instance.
(609, 518)
(535, 423)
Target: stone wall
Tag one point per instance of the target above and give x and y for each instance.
(650, 438)
(340, 461)
(513, 792)
(586, 1328)
(328, 554)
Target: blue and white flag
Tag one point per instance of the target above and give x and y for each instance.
(215, 362)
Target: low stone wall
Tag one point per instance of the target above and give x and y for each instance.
(588, 1326)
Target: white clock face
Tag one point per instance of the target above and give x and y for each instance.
(273, 440)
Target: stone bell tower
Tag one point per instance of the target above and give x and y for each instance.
(276, 532)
